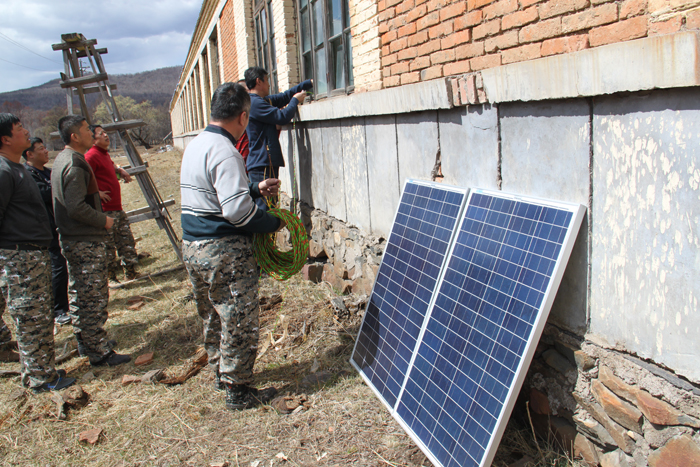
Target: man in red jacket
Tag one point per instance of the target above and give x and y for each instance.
(121, 239)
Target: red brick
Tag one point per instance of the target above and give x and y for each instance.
(520, 18)
(603, 14)
(504, 41)
(431, 73)
(630, 8)
(392, 81)
(454, 84)
(389, 59)
(385, 50)
(453, 10)
(398, 68)
(428, 20)
(469, 50)
(407, 53)
(434, 5)
(144, 359)
(392, 2)
(559, 7)
(442, 56)
(542, 30)
(419, 63)
(474, 4)
(441, 30)
(456, 39)
(396, 23)
(389, 36)
(470, 19)
(487, 29)
(456, 68)
(406, 30)
(381, 5)
(416, 13)
(619, 32)
(487, 61)
(692, 20)
(500, 8)
(387, 14)
(527, 3)
(418, 38)
(383, 27)
(398, 44)
(408, 78)
(520, 54)
(666, 27)
(680, 451)
(404, 6)
(420, 2)
(564, 45)
(600, 2)
(428, 47)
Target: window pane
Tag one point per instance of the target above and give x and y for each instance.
(338, 64)
(319, 29)
(308, 66)
(321, 80)
(336, 17)
(272, 20)
(348, 48)
(273, 60)
(346, 24)
(304, 3)
(305, 32)
(263, 21)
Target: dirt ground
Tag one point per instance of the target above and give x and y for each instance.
(304, 352)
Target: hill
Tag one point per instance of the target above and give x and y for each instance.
(156, 86)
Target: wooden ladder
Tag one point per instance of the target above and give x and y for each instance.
(74, 47)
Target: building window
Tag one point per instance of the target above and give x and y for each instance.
(326, 51)
(265, 41)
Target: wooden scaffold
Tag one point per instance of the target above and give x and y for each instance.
(74, 47)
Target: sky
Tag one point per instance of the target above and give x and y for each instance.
(140, 35)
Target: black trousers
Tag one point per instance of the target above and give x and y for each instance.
(59, 279)
(259, 174)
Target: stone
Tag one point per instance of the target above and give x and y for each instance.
(339, 308)
(618, 434)
(622, 412)
(557, 361)
(312, 272)
(593, 430)
(144, 359)
(75, 397)
(153, 376)
(87, 377)
(316, 250)
(340, 270)
(584, 362)
(616, 385)
(567, 351)
(585, 449)
(338, 284)
(90, 436)
(564, 432)
(539, 402)
(362, 285)
(678, 452)
(615, 458)
(658, 435)
(662, 413)
(130, 379)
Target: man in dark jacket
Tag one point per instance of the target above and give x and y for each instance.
(37, 156)
(266, 112)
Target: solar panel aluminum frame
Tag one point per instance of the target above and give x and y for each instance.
(465, 192)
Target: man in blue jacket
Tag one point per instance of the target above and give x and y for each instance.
(266, 112)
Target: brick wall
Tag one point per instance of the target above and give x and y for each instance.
(227, 41)
(427, 39)
(366, 47)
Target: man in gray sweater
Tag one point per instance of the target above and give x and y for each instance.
(82, 229)
(25, 286)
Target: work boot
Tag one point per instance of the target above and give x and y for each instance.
(112, 359)
(62, 319)
(218, 384)
(61, 382)
(82, 351)
(8, 352)
(242, 396)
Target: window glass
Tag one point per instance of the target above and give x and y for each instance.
(338, 64)
(305, 32)
(320, 75)
(348, 48)
(319, 30)
(336, 17)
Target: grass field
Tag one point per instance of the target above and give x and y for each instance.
(159, 425)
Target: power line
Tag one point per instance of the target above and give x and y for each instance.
(13, 63)
(12, 41)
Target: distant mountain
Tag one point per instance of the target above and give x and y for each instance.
(156, 86)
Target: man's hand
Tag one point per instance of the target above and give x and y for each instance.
(300, 96)
(283, 224)
(104, 196)
(110, 223)
(269, 187)
(125, 175)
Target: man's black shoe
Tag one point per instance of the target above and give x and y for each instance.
(241, 396)
(218, 384)
(82, 351)
(112, 359)
(61, 382)
(62, 319)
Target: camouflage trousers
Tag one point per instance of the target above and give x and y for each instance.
(224, 277)
(121, 242)
(5, 334)
(25, 283)
(88, 294)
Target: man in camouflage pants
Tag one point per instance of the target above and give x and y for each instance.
(218, 218)
(120, 239)
(25, 275)
(82, 229)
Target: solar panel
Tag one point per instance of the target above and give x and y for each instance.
(486, 317)
(423, 228)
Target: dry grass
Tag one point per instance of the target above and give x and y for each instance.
(188, 425)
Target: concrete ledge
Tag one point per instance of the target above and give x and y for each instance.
(651, 63)
(428, 95)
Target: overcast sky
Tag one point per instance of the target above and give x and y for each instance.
(139, 35)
